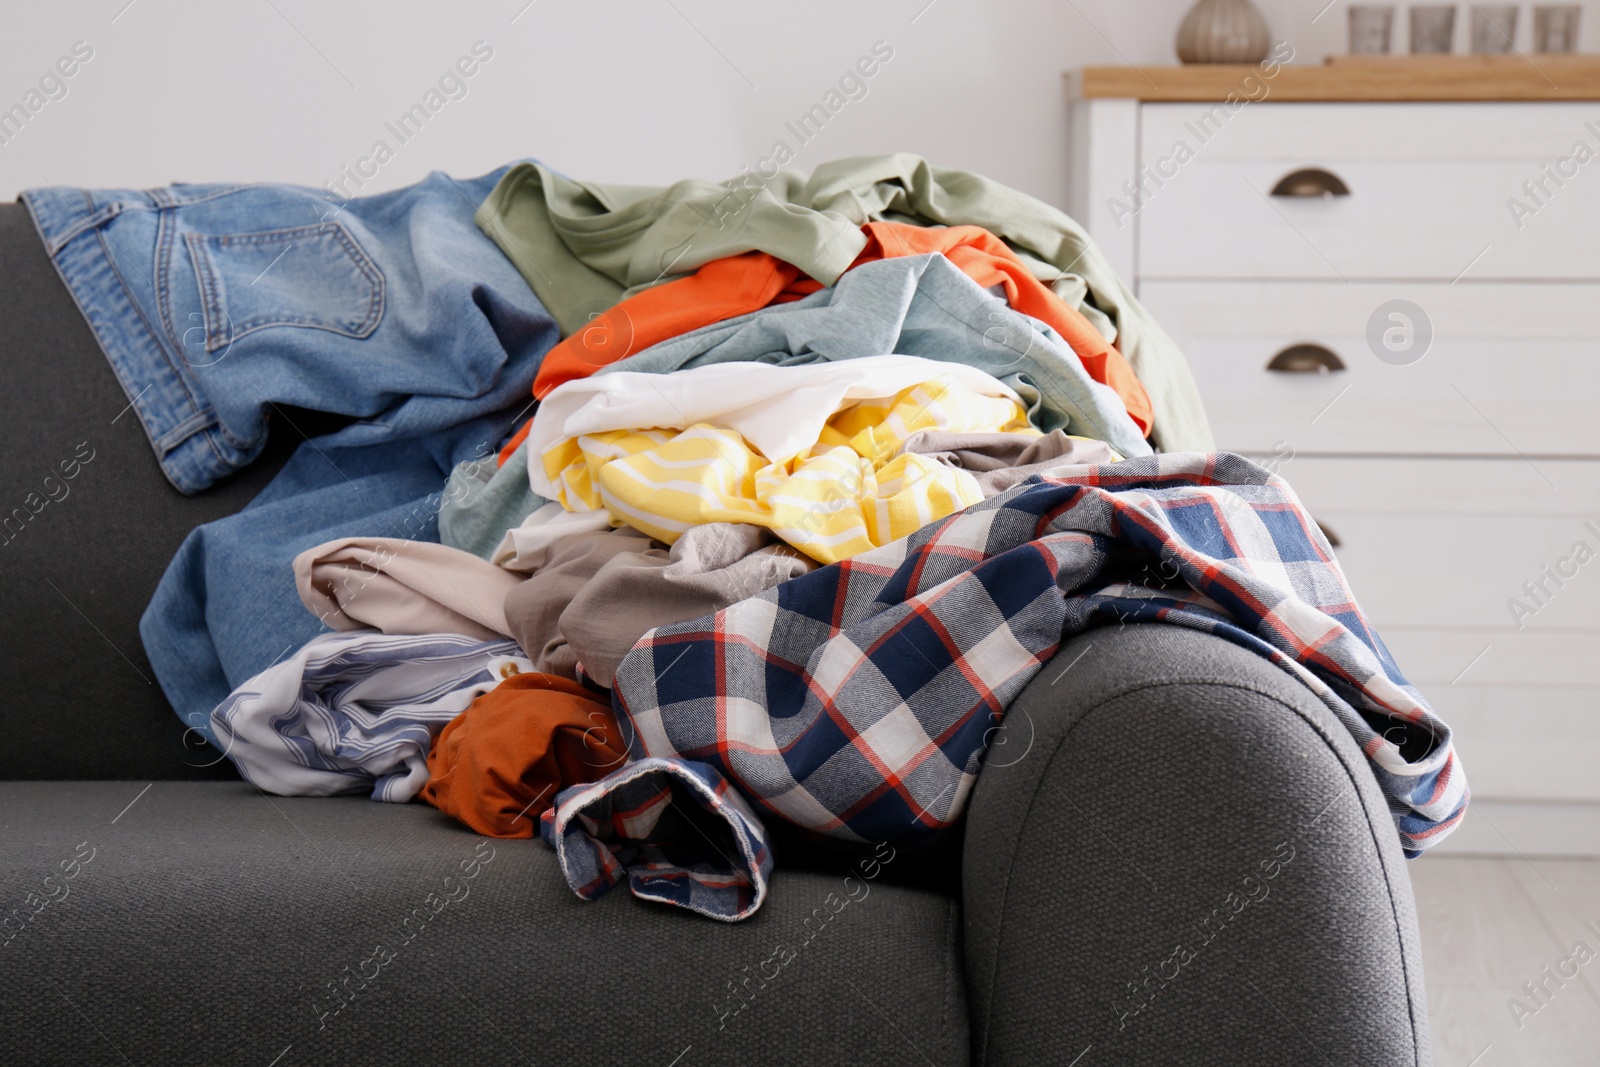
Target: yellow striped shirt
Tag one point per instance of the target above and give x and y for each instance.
(850, 492)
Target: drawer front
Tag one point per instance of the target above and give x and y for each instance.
(1432, 190)
(1511, 370)
(1480, 545)
(1524, 743)
(1436, 661)
(1525, 707)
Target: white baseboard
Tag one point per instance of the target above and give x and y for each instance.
(1558, 829)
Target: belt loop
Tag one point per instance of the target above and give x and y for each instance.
(86, 222)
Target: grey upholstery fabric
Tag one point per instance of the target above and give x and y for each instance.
(79, 698)
(211, 919)
(1144, 776)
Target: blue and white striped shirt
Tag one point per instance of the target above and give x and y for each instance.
(353, 711)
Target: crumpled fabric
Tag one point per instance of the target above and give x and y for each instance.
(499, 765)
(658, 455)
(727, 288)
(527, 547)
(484, 498)
(403, 587)
(915, 306)
(357, 712)
(535, 608)
(602, 591)
(856, 702)
(997, 461)
(674, 830)
(227, 607)
(583, 246)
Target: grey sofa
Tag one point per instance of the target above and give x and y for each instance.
(1174, 855)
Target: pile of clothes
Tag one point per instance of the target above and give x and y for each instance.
(816, 479)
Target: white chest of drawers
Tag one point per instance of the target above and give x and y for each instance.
(1454, 450)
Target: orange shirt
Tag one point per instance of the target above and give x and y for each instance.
(726, 288)
(498, 765)
(987, 260)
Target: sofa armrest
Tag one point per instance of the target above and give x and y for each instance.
(1176, 853)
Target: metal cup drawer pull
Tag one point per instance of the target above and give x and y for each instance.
(1305, 359)
(1327, 531)
(1310, 183)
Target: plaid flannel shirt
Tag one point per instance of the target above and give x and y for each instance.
(857, 701)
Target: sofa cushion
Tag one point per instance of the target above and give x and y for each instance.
(195, 922)
(82, 551)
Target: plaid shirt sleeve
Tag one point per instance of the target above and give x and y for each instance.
(857, 701)
(673, 828)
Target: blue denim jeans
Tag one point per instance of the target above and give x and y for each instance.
(215, 303)
(227, 607)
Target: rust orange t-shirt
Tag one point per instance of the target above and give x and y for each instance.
(498, 765)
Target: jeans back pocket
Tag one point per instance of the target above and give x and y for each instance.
(309, 276)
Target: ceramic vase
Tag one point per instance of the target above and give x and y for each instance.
(1223, 31)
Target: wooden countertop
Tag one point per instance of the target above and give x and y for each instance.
(1343, 78)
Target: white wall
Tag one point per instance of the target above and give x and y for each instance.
(623, 90)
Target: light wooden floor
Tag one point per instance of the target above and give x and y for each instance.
(1488, 926)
